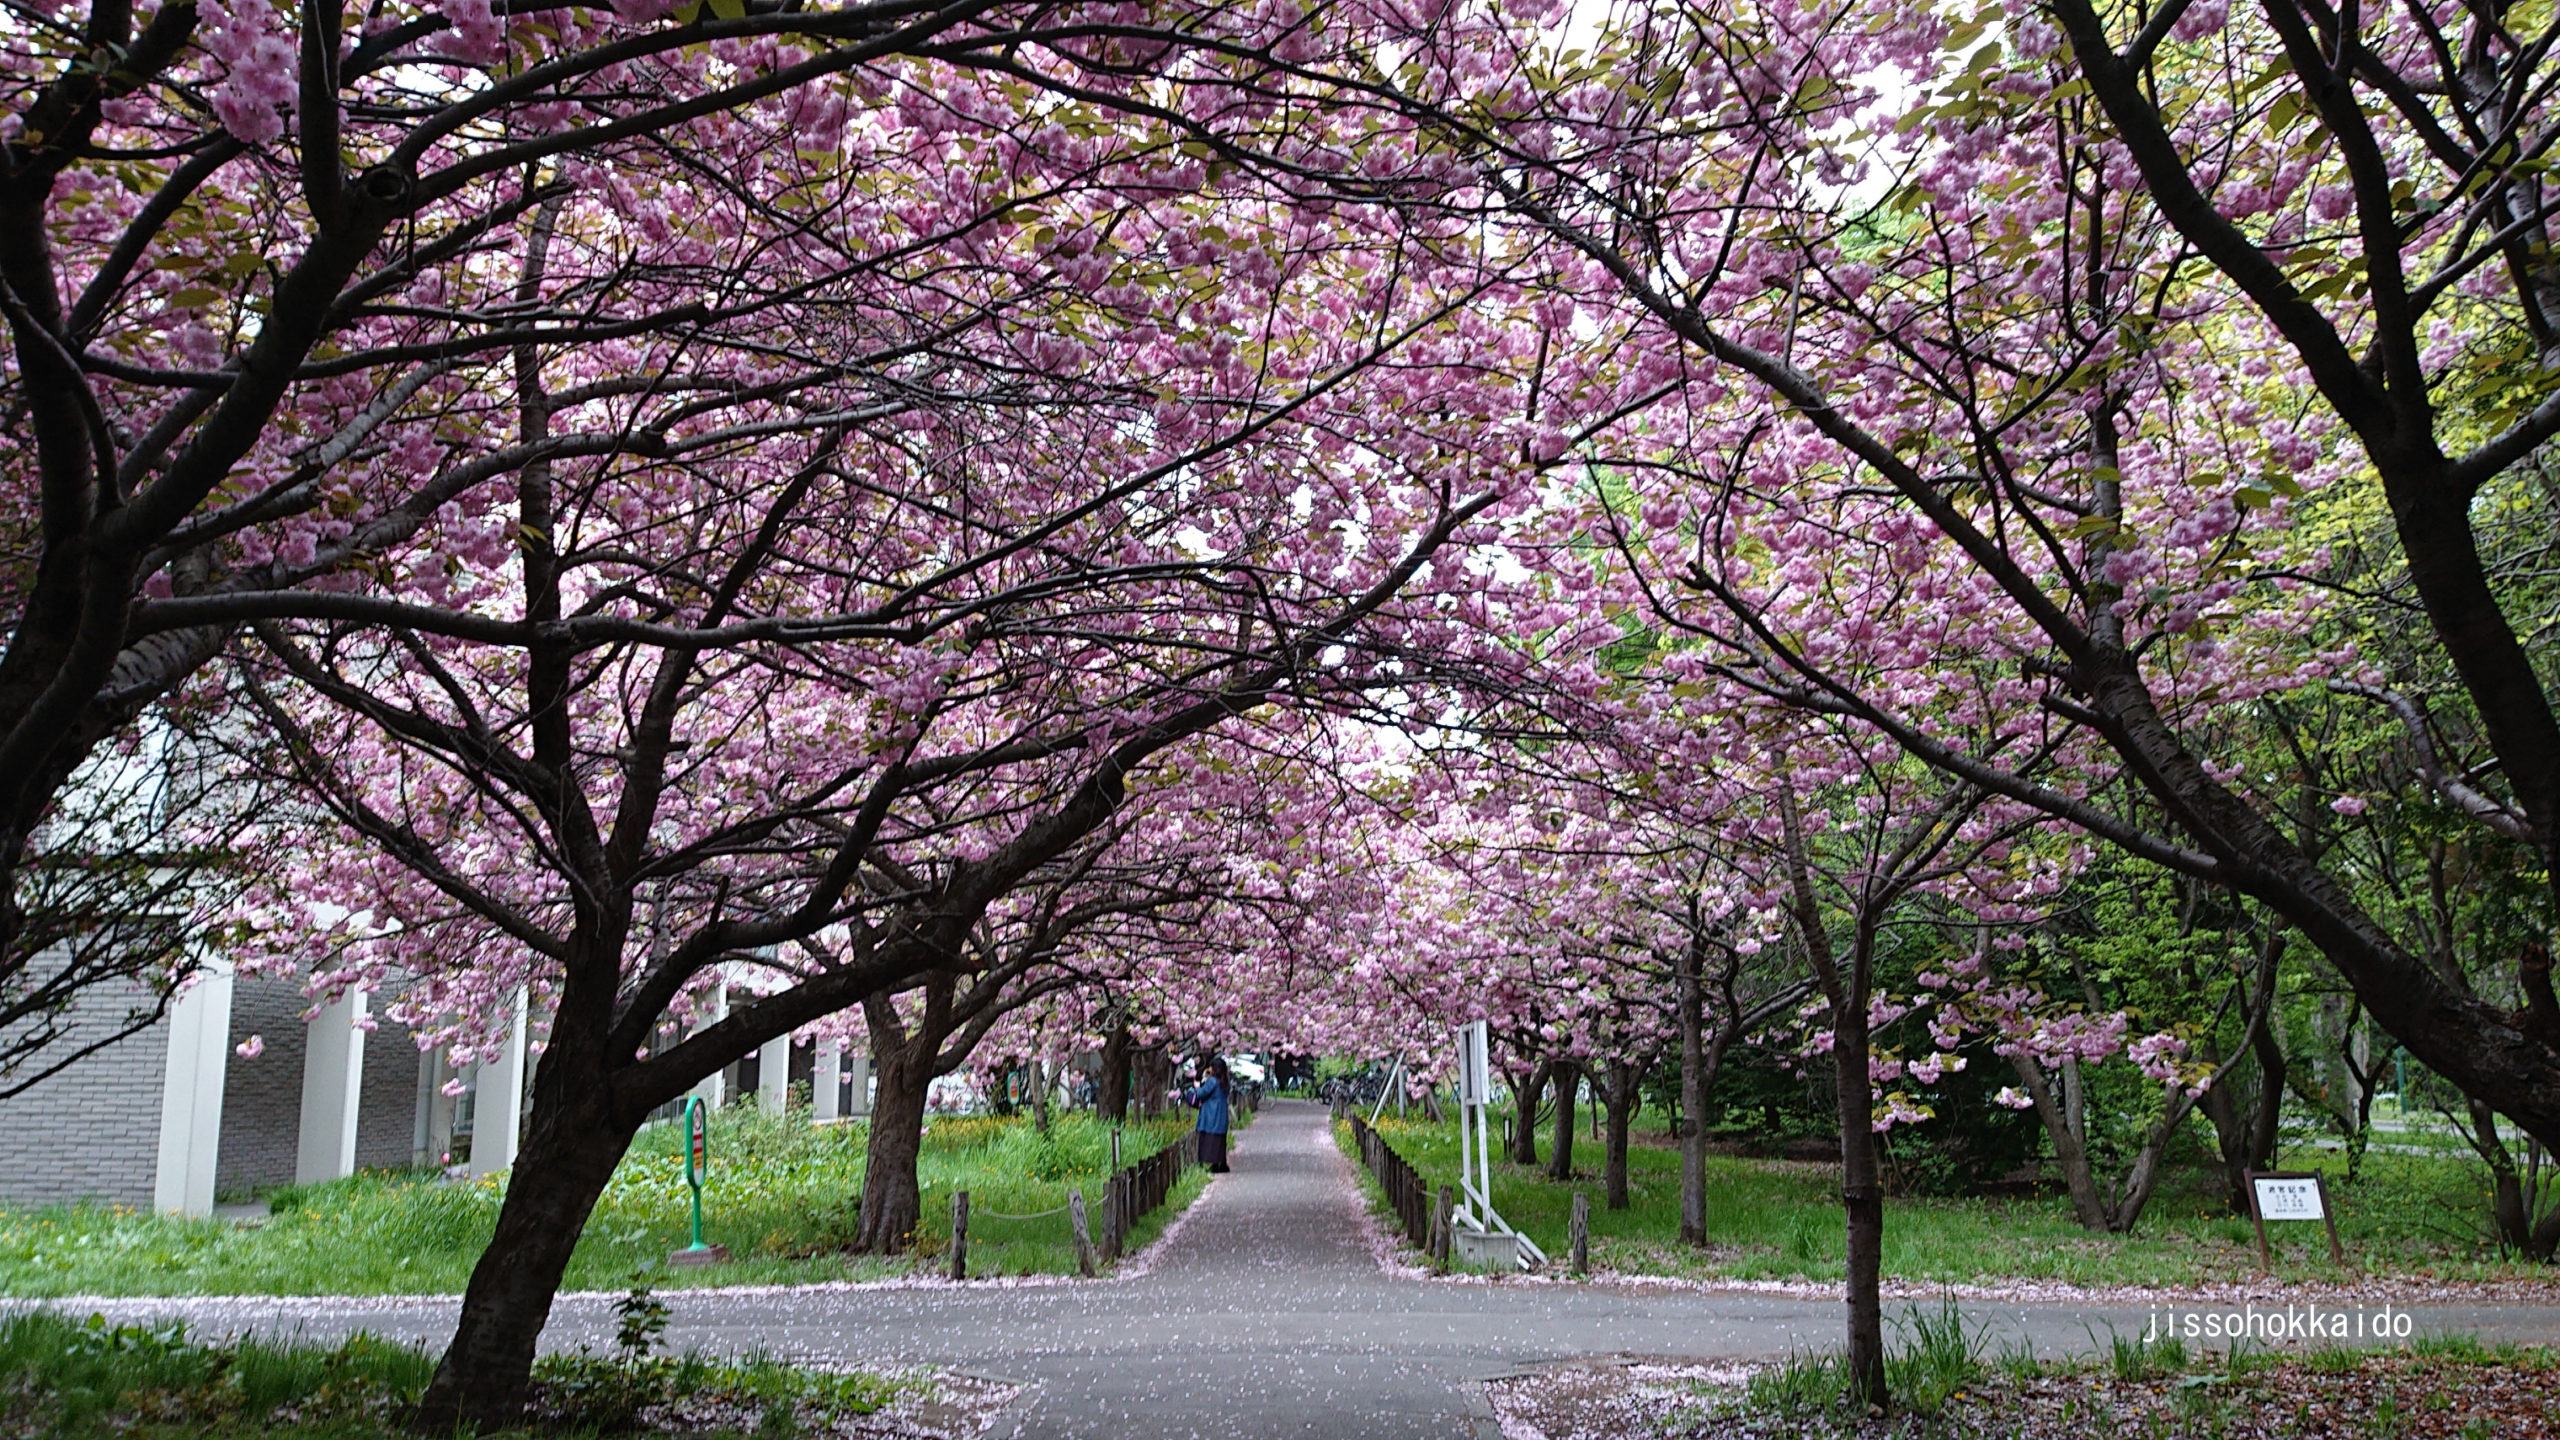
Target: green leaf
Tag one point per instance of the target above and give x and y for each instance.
(193, 296)
(729, 9)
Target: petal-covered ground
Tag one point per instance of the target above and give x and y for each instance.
(1266, 1311)
(2412, 1397)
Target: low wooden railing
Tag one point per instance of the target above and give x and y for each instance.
(1406, 1194)
(1133, 1190)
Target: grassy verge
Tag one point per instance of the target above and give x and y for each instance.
(1945, 1386)
(782, 1196)
(2451, 1388)
(71, 1381)
(2408, 1216)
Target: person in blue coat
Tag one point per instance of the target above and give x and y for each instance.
(1211, 1096)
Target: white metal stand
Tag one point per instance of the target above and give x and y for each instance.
(1395, 1078)
(1475, 1150)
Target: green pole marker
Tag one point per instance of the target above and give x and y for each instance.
(697, 1161)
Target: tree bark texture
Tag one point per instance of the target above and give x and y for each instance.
(2512, 1204)
(1861, 1183)
(1693, 1099)
(892, 1202)
(1530, 1094)
(1568, 1083)
(1153, 1077)
(2070, 1150)
(572, 1142)
(1625, 1086)
(1111, 1087)
(1862, 1192)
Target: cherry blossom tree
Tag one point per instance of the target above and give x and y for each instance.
(1032, 509)
(1198, 885)
(2048, 332)
(1044, 939)
(264, 269)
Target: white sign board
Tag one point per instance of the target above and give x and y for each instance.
(1475, 1066)
(2288, 1198)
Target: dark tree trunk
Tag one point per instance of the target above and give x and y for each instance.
(1153, 1077)
(1862, 1191)
(569, 1151)
(1568, 1080)
(1111, 1087)
(1693, 1100)
(1861, 1187)
(2266, 1122)
(1528, 1094)
(1002, 1101)
(2116, 1209)
(1625, 1083)
(2244, 1123)
(892, 1206)
(2509, 1059)
(2512, 1202)
(2069, 1149)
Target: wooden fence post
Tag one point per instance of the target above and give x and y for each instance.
(1442, 1209)
(1084, 1234)
(1581, 1233)
(959, 1234)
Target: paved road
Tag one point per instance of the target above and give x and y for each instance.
(1263, 1314)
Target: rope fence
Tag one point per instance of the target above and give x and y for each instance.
(1034, 1215)
(1127, 1196)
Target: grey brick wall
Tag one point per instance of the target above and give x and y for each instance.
(262, 1104)
(387, 1115)
(262, 1098)
(93, 1131)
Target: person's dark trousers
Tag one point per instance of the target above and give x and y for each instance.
(1213, 1150)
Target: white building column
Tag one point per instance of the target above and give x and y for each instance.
(499, 1105)
(431, 1133)
(332, 1085)
(826, 1081)
(858, 1105)
(714, 1087)
(773, 1075)
(191, 1093)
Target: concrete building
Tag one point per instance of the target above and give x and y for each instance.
(173, 1117)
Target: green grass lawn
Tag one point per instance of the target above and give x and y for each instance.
(2406, 1215)
(90, 1381)
(781, 1196)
